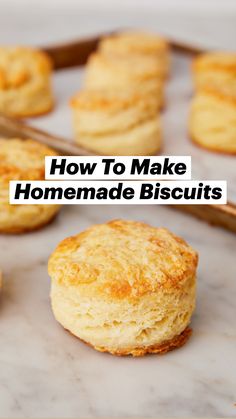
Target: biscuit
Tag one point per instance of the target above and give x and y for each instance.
(125, 287)
(22, 160)
(213, 121)
(138, 44)
(217, 71)
(116, 122)
(25, 82)
(104, 72)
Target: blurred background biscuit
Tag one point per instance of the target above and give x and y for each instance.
(125, 287)
(1, 280)
(25, 82)
(217, 71)
(106, 72)
(138, 44)
(213, 121)
(116, 122)
(22, 160)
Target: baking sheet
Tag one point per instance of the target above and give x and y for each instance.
(205, 165)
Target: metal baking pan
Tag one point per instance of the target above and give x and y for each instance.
(69, 59)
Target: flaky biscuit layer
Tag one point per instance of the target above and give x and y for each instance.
(143, 76)
(217, 71)
(128, 69)
(212, 121)
(160, 349)
(142, 139)
(111, 111)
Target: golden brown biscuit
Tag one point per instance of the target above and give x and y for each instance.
(116, 122)
(105, 72)
(213, 121)
(217, 71)
(25, 82)
(137, 44)
(125, 287)
(22, 160)
(1, 280)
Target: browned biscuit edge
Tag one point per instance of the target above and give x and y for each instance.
(159, 349)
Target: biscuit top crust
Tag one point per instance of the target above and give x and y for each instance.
(22, 159)
(18, 65)
(111, 101)
(216, 61)
(133, 42)
(123, 259)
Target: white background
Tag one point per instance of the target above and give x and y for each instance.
(205, 22)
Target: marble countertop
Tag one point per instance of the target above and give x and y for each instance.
(47, 373)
